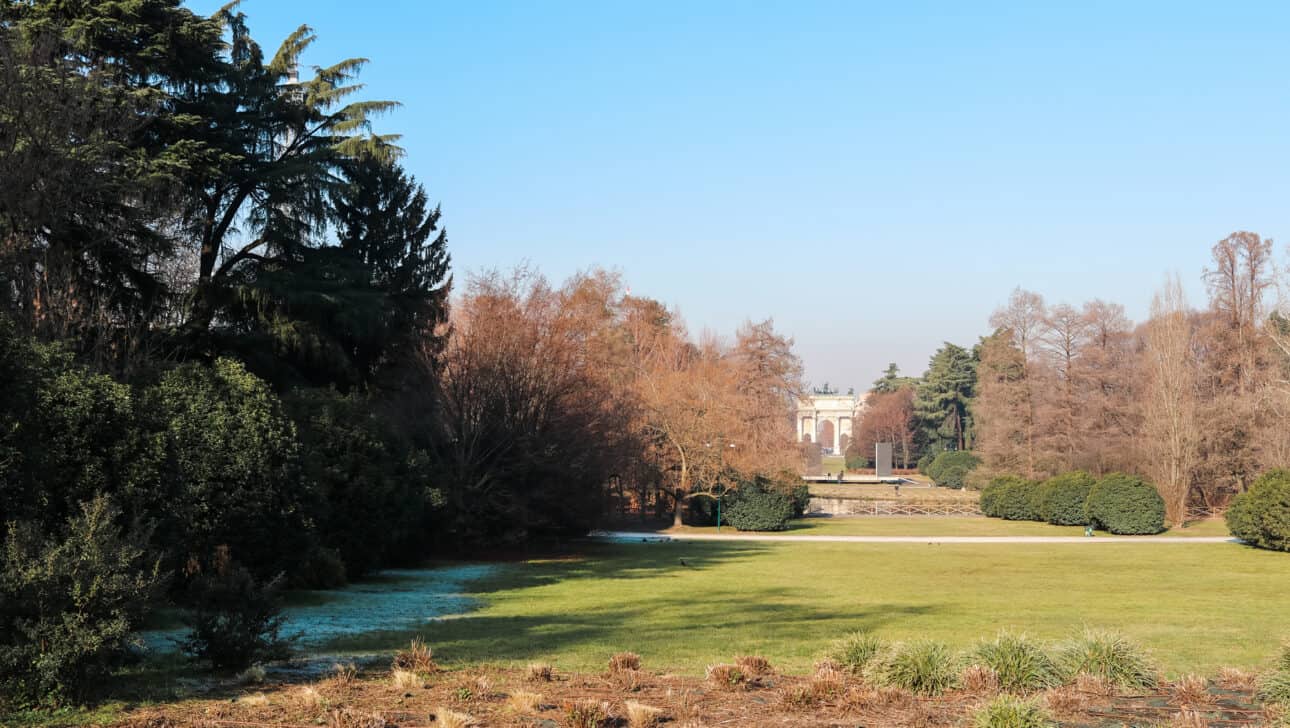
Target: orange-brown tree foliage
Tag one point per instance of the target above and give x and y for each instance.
(556, 402)
(888, 417)
(1196, 400)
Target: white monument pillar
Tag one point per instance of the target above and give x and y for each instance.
(837, 432)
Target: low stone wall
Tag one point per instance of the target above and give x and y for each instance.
(867, 507)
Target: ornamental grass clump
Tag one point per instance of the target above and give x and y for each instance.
(1021, 665)
(855, 651)
(1274, 687)
(924, 667)
(1108, 656)
(1007, 711)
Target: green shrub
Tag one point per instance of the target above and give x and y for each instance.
(990, 496)
(758, 506)
(1110, 656)
(1261, 515)
(950, 468)
(69, 603)
(1125, 504)
(1274, 687)
(1062, 498)
(858, 462)
(801, 500)
(1022, 665)
(924, 667)
(1011, 498)
(854, 652)
(232, 471)
(235, 620)
(1007, 711)
(925, 463)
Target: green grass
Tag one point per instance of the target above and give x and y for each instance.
(833, 463)
(949, 526)
(1197, 607)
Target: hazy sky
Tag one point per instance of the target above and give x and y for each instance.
(875, 177)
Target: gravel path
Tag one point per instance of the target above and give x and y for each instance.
(634, 536)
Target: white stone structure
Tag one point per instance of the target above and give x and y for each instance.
(828, 414)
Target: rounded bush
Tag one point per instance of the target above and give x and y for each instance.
(759, 508)
(854, 652)
(1011, 498)
(1261, 515)
(924, 667)
(1020, 664)
(1062, 498)
(950, 468)
(1126, 505)
(1109, 656)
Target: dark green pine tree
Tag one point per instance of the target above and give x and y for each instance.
(383, 221)
(943, 400)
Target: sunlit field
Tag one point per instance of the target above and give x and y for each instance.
(1197, 607)
(949, 526)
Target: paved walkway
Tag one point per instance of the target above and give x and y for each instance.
(651, 537)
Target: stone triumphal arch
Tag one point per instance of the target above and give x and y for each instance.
(826, 416)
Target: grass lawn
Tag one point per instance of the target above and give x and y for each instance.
(1198, 607)
(950, 526)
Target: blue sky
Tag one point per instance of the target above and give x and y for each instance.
(875, 177)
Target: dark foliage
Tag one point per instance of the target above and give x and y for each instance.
(235, 620)
(950, 468)
(760, 505)
(70, 600)
(1012, 498)
(1261, 516)
(1063, 497)
(1125, 504)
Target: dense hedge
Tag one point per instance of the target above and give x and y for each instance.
(1062, 498)
(950, 468)
(759, 505)
(1011, 498)
(1261, 516)
(1125, 504)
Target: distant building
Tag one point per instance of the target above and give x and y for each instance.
(826, 416)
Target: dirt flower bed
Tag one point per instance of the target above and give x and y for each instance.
(555, 699)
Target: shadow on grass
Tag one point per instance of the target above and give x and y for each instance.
(592, 604)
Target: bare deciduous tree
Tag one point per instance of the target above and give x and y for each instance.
(1169, 431)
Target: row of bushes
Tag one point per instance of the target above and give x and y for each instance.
(1012, 662)
(1118, 503)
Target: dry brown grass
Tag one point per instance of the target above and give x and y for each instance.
(1095, 685)
(826, 685)
(755, 665)
(449, 718)
(405, 679)
(979, 680)
(1065, 700)
(629, 681)
(1192, 690)
(255, 700)
(346, 717)
(1231, 678)
(726, 677)
(624, 661)
(418, 657)
(343, 675)
(586, 713)
(1188, 719)
(539, 672)
(523, 701)
(308, 697)
(640, 715)
(796, 698)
